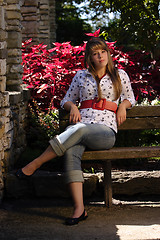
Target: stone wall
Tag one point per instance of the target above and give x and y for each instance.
(38, 21)
(13, 101)
(19, 20)
(4, 96)
(16, 114)
(14, 44)
(125, 183)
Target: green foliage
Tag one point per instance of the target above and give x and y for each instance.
(150, 137)
(42, 126)
(137, 138)
(137, 22)
(69, 25)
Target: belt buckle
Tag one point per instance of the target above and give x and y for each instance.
(99, 105)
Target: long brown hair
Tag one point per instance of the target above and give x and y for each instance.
(96, 43)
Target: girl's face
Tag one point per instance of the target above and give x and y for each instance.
(100, 58)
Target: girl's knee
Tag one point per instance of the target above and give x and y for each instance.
(82, 129)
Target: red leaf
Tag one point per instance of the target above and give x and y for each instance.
(42, 87)
(95, 34)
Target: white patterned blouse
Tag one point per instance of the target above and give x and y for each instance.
(84, 87)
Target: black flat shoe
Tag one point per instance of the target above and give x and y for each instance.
(21, 175)
(73, 221)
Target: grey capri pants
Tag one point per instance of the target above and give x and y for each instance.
(73, 142)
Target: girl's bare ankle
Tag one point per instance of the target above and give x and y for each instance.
(78, 212)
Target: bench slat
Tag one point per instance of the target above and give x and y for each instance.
(141, 123)
(144, 111)
(138, 117)
(136, 111)
(122, 153)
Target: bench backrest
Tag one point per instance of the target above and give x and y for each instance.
(138, 117)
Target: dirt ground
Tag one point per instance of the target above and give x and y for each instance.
(43, 219)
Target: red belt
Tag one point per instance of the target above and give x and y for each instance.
(101, 105)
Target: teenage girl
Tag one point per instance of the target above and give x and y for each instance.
(104, 94)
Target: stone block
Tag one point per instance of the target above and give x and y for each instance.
(44, 2)
(12, 1)
(1, 146)
(10, 135)
(44, 13)
(3, 45)
(2, 122)
(31, 3)
(14, 35)
(8, 128)
(14, 87)
(26, 94)
(3, 78)
(13, 7)
(1, 132)
(90, 184)
(13, 15)
(16, 68)
(3, 84)
(4, 99)
(44, 23)
(13, 76)
(2, 22)
(28, 9)
(15, 97)
(30, 27)
(3, 53)
(13, 22)
(14, 60)
(3, 35)
(6, 112)
(14, 52)
(30, 18)
(43, 36)
(44, 17)
(136, 182)
(15, 43)
(14, 28)
(4, 142)
(2, 66)
(44, 7)
(6, 119)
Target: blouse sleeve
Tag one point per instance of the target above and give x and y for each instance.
(73, 92)
(127, 92)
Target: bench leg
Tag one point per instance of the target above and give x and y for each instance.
(107, 184)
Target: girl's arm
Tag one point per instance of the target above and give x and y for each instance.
(127, 97)
(70, 99)
(121, 112)
(74, 112)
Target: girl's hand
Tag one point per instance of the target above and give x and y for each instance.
(74, 114)
(121, 112)
(121, 115)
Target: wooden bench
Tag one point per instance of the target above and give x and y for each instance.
(138, 118)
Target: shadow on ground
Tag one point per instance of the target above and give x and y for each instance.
(37, 219)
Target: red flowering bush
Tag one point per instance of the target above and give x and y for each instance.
(48, 73)
(142, 70)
